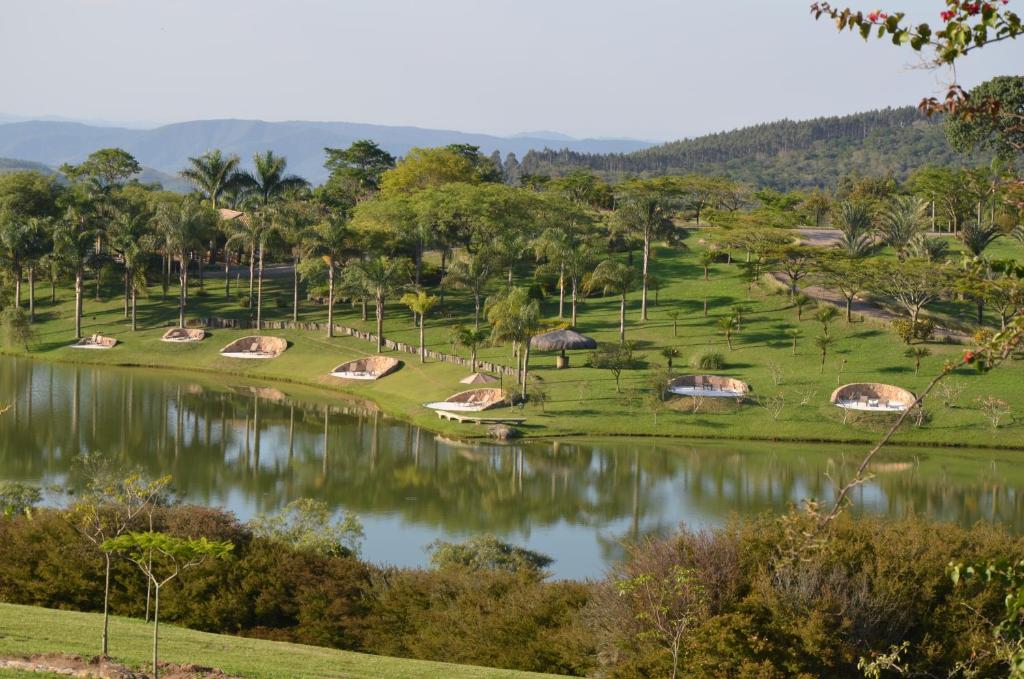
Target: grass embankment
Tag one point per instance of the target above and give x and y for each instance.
(26, 630)
(584, 401)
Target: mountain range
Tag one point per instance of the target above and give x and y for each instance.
(166, 149)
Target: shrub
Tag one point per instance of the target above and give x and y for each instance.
(908, 332)
(709, 360)
(243, 300)
(282, 301)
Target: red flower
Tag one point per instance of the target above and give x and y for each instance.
(877, 15)
(946, 16)
(969, 357)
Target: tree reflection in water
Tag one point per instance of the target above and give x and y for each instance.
(252, 449)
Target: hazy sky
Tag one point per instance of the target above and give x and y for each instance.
(654, 69)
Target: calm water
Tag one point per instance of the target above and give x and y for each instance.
(252, 449)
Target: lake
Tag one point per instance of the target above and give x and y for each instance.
(253, 447)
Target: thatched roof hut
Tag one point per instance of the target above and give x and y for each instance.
(562, 341)
(184, 335)
(708, 386)
(368, 368)
(472, 400)
(255, 346)
(95, 342)
(872, 397)
(479, 378)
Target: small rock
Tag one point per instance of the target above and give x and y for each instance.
(503, 432)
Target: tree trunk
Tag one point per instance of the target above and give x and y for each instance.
(476, 310)
(252, 272)
(573, 302)
(31, 294)
(330, 300)
(380, 322)
(526, 366)
(135, 293)
(981, 310)
(643, 292)
(156, 631)
(561, 291)
(78, 304)
(227, 272)
(295, 290)
(622, 319)
(183, 285)
(259, 295)
(17, 287)
(422, 348)
(106, 606)
(127, 292)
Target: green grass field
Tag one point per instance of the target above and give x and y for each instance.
(581, 400)
(25, 630)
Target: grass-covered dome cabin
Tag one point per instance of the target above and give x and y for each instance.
(562, 341)
(255, 346)
(95, 342)
(872, 397)
(472, 400)
(182, 335)
(368, 368)
(708, 386)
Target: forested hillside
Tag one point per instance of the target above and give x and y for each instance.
(785, 154)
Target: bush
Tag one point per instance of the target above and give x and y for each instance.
(908, 332)
(709, 360)
(243, 300)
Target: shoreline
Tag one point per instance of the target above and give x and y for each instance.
(339, 390)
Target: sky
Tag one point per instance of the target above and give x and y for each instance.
(647, 69)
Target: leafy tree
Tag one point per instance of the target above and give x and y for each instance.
(107, 509)
(184, 227)
(614, 358)
(17, 327)
(823, 342)
(381, 277)
(22, 242)
(615, 277)
(727, 324)
(18, 499)
(913, 284)
(309, 525)
(162, 558)
(420, 303)
(487, 553)
(471, 338)
(848, 277)
(1002, 132)
(104, 170)
(707, 258)
(825, 315)
(795, 262)
(362, 163)
(425, 167)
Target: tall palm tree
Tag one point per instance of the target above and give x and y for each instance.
(514, 317)
(212, 174)
(331, 241)
(129, 235)
(645, 213)
(381, 277)
(902, 221)
(472, 274)
(292, 222)
(855, 223)
(184, 226)
(21, 242)
(616, 277)
(75, 243)
(265, 185)
(420, 303)
(471, 338)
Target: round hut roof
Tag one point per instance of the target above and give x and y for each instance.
(479, 378)
(560, 340)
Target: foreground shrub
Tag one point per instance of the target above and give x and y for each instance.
(907, 331)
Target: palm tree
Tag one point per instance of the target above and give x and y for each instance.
(577, 263)
(976, 237)
(902, 221)
(645, 213)
(472, 274)
(917, 353)
(616, 277)
(212, 174)
(727, 324)
(381, 277)
(331, 241)
(855, 222)
(825, 315)
(75, 244)
(471, 338)
(420, 303)
(927, 249)
(514, 317)
(823, 342)
(246, 233)
(262, 187)
(794, 334)
(670, 353)
(184, 227)
(292, 221)
(707, 258)
(21, 242)
(129, 235)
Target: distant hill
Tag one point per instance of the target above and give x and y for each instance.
(167, 148)
(147, 176)
(783, 155)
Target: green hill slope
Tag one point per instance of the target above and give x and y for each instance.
(785, 154)
(25, 630)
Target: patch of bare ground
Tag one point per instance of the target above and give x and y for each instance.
(104, 668)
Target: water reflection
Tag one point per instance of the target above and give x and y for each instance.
(252, 449)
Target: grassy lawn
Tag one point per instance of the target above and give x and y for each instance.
(581, 400)
(25, 630)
